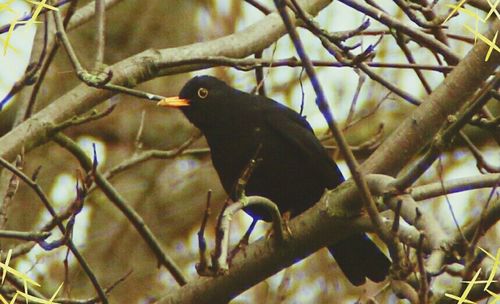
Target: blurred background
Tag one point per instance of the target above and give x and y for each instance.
(170, 194)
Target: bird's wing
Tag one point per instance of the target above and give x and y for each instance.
(299, 133)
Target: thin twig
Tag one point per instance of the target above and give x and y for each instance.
(367, 146)
(100, 9)
(259, 76)
(424, 283)
(397, 255)
(25, 236)
(302, 94)
(370, 113)
(492, 124)
(138, 142)
(435, 23)
(352, 108)
(261, 7)
(98, 79)
(203, 266)
(440, 170)
(51, 53)
(479, 231)
(488, 115)
(12, 188)
(429, 15)
(5, 28)
(400, 40)
(93, 300)
(32, 69)
(76, 121)
(386, 19)
(359, 62)
(220, 257)
(481, 162)
(335, 47)
(389, 32)
(260, 82)
(86, 12)
(156, 154)
(247, 64)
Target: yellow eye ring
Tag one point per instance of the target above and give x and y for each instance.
(202, 93)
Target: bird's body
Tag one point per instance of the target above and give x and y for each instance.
(284, 160)
(293, 169)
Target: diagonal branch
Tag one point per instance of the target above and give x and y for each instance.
(120, 203)
(44, 198)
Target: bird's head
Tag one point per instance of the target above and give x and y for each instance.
(204, 100)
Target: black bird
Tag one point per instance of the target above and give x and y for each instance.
(293, 168)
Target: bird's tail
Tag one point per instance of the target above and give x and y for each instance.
(358, 257)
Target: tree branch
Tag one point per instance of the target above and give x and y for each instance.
(134, 218)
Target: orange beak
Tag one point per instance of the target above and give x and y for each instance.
(173, 102)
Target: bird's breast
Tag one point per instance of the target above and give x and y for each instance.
(281, 173)
(231, 153)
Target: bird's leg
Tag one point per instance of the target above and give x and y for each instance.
(286, 218)
(243, 242)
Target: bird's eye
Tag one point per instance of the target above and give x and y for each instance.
(202, 93)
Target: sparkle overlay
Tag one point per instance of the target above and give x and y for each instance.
(496, 297)
(39, 5)
(493, 11)
(26, 280)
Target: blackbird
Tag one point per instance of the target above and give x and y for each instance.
(293, 168)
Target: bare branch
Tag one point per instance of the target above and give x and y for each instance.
(25, 236)
(123, 206)
(44, 198)
(454, 186)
